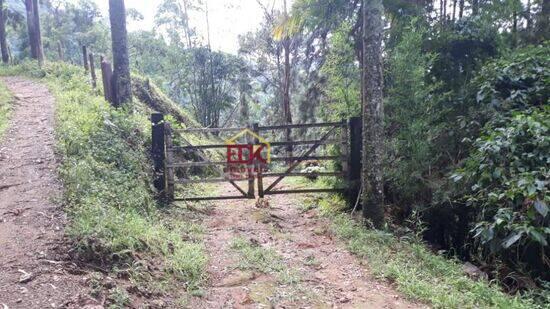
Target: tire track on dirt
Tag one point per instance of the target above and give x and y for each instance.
(328, 275)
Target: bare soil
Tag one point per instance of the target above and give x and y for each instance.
(33, 272)
(328, 275)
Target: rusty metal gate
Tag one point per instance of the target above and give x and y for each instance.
(173, 161)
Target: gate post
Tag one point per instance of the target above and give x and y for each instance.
(344, 147)
(255, 129)
(169, 161)
(250, 168)
(157, 150)
(354, 157)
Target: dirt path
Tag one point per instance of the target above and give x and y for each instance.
(33, 273)
(325, 274)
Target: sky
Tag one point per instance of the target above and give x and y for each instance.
(228, 18)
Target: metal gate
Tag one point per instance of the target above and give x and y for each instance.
(173, 162)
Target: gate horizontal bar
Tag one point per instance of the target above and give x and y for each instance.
(312, 142)
(302, 125)
(303, 191)
(176, 148)
(305, 174)
(208, 198)
(320, 158)
(209, 180)
(203, 163)
(209, 130)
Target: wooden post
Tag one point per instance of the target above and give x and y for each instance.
(92, 70)
(106, 76)
(157, 150)
(85, 57)
(168, 168)
(354, 158)
(258, 165)
(344, 148)
(59, 50)
(250, 170)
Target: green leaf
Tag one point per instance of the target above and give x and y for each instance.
(541, 207)
(511, 239)
(538, 237)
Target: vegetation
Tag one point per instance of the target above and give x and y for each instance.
(6, 100)
(460, 102)
(454, 97)
(415, 270)
(106, 175)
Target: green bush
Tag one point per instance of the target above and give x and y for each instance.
(504, 181)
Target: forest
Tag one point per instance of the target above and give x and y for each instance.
(453, 97)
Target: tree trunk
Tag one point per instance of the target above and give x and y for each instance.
(373, 113)
(3, 41)
(543, 22)
(122, 87)
(244, 113)
(475, 7)
(59, 50)
(37, 33)
(515, 28)
(454, 10)
(286, 90)
(444, 11)
(31, 28)
(460, 9)
(528, 17)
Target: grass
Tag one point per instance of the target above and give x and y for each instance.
(6, 101)
(416, 271)
(253, 256)
(106, 176)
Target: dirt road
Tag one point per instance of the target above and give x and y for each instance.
(33, 273)
(322, 273)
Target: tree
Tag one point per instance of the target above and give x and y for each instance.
(543, 21)
(37, 32)
(373, 113)
(287, 114)
(31, 28)
(67, 26)
(122, 88)
(3, 41)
